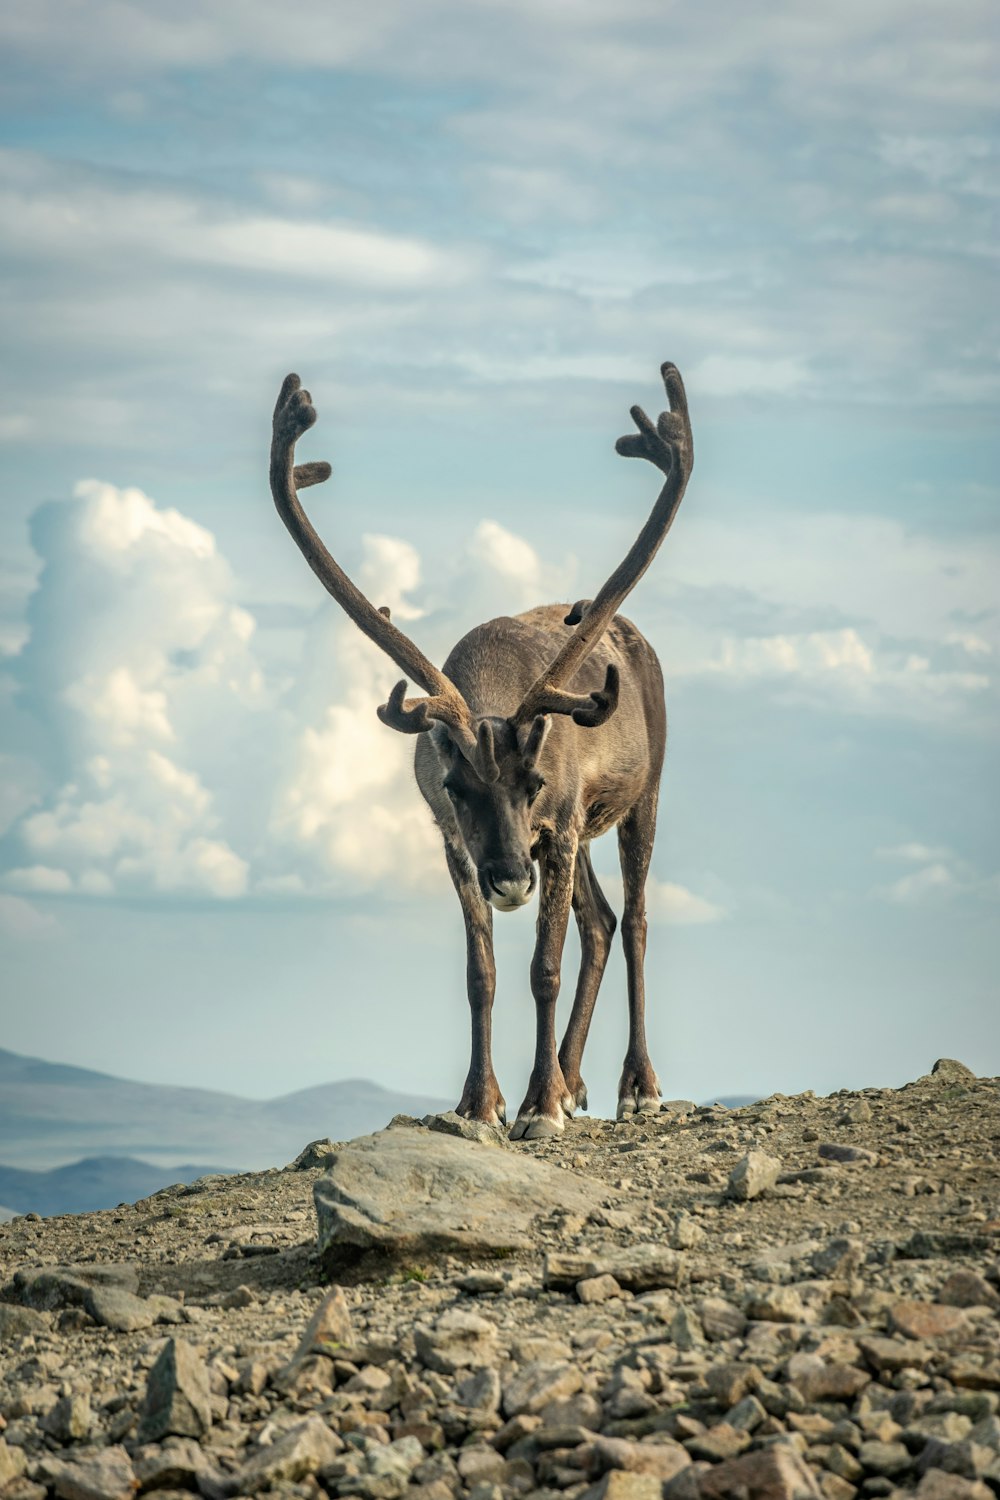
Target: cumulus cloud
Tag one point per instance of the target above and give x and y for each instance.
(134, 639)
(178, 753)
(854, 613)
(838, 667)
(183, 759)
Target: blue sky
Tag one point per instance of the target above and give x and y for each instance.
(476, 231)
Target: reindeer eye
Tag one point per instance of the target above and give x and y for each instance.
(534, 789)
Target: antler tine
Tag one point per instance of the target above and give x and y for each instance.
(414, 715)
(670, 447)
(294, 414)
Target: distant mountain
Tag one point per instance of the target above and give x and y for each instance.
(84, 1186)
(51, 1114)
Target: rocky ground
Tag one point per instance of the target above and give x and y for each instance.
(794, 1299)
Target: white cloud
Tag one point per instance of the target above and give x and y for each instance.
(19, 919)
(666, 902)
(672, 903)
(191, 760)
(135, 645)
(901, 590)
(932, 880)
(913, 852)
(60, 217)
(943, 876)
(840, 668)
(192, 763)
(40, 878)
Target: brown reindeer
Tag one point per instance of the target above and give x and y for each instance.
(542, 732)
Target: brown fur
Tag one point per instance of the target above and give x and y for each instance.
(542, 732)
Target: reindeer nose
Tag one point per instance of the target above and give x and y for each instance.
(509, 884)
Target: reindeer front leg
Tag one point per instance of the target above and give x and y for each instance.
(548, 1100)
(481, 1098)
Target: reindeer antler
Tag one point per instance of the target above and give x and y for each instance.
(668, 445)
(294, 414)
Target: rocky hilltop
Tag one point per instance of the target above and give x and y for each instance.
(790, 1300)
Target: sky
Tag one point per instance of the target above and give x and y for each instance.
(476, 231)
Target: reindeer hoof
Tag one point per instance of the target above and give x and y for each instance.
(577, 1092)
(483, 1102)
(536, 1128)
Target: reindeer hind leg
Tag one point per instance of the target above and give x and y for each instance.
(639, 1088)
(596, 923)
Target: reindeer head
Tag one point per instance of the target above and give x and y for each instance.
(491, 801)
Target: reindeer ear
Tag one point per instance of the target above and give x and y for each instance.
(534, 737)
(442, 741)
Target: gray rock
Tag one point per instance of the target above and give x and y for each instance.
(937, 1485)
(838, 1257)
(639, 1268)
(480, 1390)
(664, 1458)
(621, 1484)
(317, 1154)
(986, 1432)
(456, 1341)
(408, 1191)
(927, 1244)
(721, 1320)
(15, 1321)
(70, 1420)
(106, 1474)
(967, 1289)
(169, 1310)
(777, 1304)
(399, 1459)
(686, 1330)
(840, 1151)
(594, 1289)
(175, 1466)
(178, 1397)
(304, 1449)
(884, 1458)
(329, 1328)
(536, 1385)
(686, 1233)
(775, 1473)
(452, 1123)
(12, 1463)
(115, 1308)
(966, 1457)
(746, 1415)
(949, 1070)
(858, 1113)
(479, 1464)
(818, 1381)
(752, 1176)
(48, 1288)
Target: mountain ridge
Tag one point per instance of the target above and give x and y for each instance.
(52, 1114)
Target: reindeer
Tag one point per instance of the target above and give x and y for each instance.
(542, 732)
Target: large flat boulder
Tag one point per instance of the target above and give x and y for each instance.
(408, 1191)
